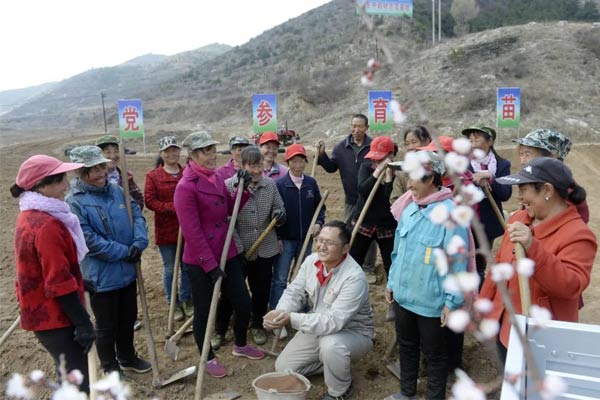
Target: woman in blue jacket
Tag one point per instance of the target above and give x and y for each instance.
(301, 196)
(115, 246)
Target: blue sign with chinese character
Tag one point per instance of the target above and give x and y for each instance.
(395, 8)
(131, 119)
(508, 107)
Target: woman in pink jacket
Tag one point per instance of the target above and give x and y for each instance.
(203, 206)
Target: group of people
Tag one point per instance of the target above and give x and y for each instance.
(327, 302)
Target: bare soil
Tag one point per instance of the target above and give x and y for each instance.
(22, 353)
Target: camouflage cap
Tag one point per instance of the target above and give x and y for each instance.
(238, 140)
(435, 164)
(555, 142)
(107, 139)
(490, 132)
(88, 155)
(166, 142)
(198, 140)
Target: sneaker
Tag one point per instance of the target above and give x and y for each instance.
(346, 395)
(178, 316)
(188, 308)
(217, 341)
(137, 325)
(216, 369)
(136, 365)
(371, 277)
(400, 396)
(259, 336)
(248, 352)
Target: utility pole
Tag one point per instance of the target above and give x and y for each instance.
(433, 22)
(439, 21)
(102, 96)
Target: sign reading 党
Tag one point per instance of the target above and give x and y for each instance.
(380, 110)
(131, 119)
(264, 112)
(508, 107)
(394, 8)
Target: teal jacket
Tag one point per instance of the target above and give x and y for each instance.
(108, 234)
(413, 277)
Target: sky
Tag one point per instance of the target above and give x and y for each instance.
(50, 40)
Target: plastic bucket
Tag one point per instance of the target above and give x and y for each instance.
(281, 386)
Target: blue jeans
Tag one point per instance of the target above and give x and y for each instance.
(167, 252)
(291, 250)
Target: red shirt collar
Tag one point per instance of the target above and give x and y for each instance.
(320, 268)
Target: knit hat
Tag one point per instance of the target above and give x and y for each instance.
(198, 140)
(268, 137)
(107, 139)
(552, 141)
(295, 150)
(238, 140)
(36, 168)
(486, 130)
(543, 170)
(381, 146)
(166, 142)
(88, 155)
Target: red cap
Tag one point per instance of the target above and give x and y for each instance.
(381, 146)
(268, 137)
(295, 150)
(36, 168)
(445, 142)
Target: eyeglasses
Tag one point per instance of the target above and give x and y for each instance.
(326, 242)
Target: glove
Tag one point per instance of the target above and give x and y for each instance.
(243, 176)
(215, 274)
(279, 214)
(89, 287)
(134, 255)
(85, 335)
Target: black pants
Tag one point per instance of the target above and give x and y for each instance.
(233, 288)
(454, 343)
(115, 312)
(62, 341)
(415, 334)
(361, 245)
(259, 273)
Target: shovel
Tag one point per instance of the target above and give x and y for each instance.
(171, 347)
(92, 354)
(314, 166)
(156, 381)
(173, 304)
(368, 202)
(262, 237)
(10, 330)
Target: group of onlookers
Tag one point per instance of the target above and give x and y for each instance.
(94, 241)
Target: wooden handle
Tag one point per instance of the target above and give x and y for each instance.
(368, 202)
(212, 315)
(10, 330)
(92, 354)
(262, 237)
(307, 239)
(174, 281)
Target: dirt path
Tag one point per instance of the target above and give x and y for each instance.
(22, 353)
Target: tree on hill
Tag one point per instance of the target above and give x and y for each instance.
(463, 11)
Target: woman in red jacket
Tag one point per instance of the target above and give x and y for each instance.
(554, 237)
(49, 245)
(159, 190)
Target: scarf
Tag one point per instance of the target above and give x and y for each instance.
(322, 275)
(209, 174)
(487, 163)
(59, 210)
(403, 201)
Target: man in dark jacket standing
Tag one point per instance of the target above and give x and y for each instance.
(347, 156)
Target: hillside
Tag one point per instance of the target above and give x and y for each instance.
(11, 99)
(314, 63)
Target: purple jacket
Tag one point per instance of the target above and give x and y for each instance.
(203, 211)
(227, 170)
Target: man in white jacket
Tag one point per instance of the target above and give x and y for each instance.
(339, 327)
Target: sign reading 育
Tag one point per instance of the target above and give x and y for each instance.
(508, 107)
(264, 112)
(380, 110)
(394, 8)
(131, 119)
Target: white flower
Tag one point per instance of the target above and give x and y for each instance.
(502, 272)
(456, 163)
(68, 392)
(365, 81)
(525, 267)
(456, 246)
(478, 154)
(36, 375)
(441, 261)
(75, 377)
(439, 214)
(461, 282)
(472, 193)
(483, 306)
(451, 284)
(553, 387)
(458, 320)
(397, 114)
(465, 389)
(488, 328)
(417, 174)
(461, 145)
(540, 315)
(112, 384)
(423, 157)
(462, 215)
(413, 165)
(371, 63)
(15, 387)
